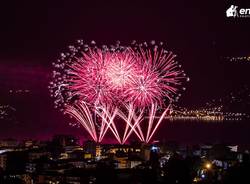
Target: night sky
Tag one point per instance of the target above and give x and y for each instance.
(33, 33)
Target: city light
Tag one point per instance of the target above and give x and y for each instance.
(208, 165)
(238, 58)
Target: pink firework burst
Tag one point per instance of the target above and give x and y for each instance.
(100, 77)
(144, 90)
(89, 79)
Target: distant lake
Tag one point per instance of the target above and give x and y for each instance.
(192, 131)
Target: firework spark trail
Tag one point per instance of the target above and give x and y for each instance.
(137, 121)
(137, 124)
(128, 119)
(82, 113)
(108, 117)
(151, 119)
(157, 125)
(116, 81)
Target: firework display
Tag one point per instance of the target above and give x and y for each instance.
(105, 87)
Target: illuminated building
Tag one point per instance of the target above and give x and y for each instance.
(134, 161)
(145, 152)
(65, 140)
(98, 151)
(28, 143)
(89, 148)
(121, 162)
(36, 154)
(9, 143)
(3, 160)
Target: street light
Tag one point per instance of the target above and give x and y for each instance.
(208, 165)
